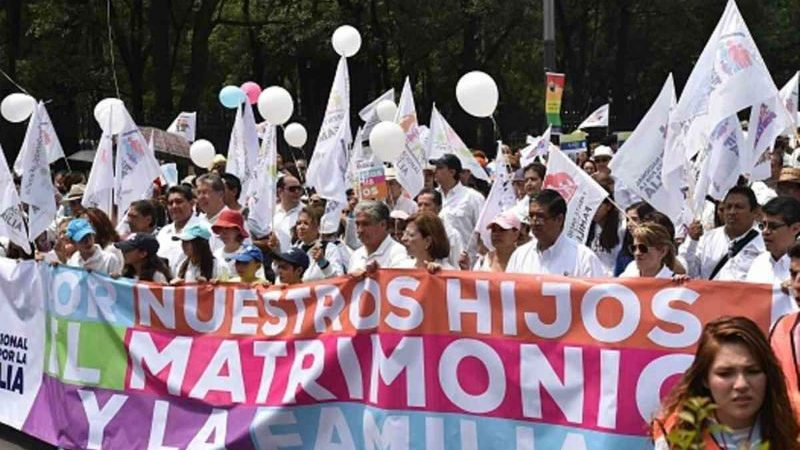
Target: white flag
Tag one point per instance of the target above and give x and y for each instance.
(442, 139)
(49, 139)
(582, 194)
(184, 125)
(638, 162)
(369, 113)
(12, 225)
(260, 198)
(243, 146)
(721, 164)
(411, 162)
(358, 154)
(136, 166)
(768, 120)
(100, 185)
(729, 76)
(37, 189)
(328, 166)
(789, 94)
(501, 198)
(598, 118)
(538, 146)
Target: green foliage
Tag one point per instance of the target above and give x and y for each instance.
(695, 420)
(618, 50)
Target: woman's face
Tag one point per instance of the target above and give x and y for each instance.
(632, 219)
(134, 256)
(648, 258)
(188, 250)
(737, 384)
(307, 230)
(502, 238)
(589, 167)
(416, 245)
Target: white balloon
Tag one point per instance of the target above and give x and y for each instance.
(386, 110)
(275, 105)
(477, 94)
(116, 109)
(202, 153)
(295, 135)
(346, 41)
(387, 140)
(17, 107)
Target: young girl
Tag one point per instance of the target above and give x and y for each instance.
(200, 264)
(248, 263)
(230, 229)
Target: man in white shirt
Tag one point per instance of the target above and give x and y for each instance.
(180, 205)
(727, 252)
(210, 196)
(378, 249)
(552, 252)
(398, 200)
(431, 200)
(287, 210)
(461, 206)
(780, 226)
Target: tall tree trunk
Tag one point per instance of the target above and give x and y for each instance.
(159, 21)
(198, 64)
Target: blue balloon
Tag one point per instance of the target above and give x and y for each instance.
(231, 97)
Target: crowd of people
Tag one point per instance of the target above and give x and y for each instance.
(197, 231)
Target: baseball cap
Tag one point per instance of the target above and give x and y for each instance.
(294, 256)
(249, 253)
(78, 229)
(507, 220)
(138, 241)
(229, 218)
(448, 160)
(193, 231)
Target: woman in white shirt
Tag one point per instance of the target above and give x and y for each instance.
(200, 264)
(426, 243)
(324, 256)
(505, 234)
(653, 252)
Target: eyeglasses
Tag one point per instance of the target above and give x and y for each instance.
(770, 225)
(641, 247)
(294, 188)
(541, 218)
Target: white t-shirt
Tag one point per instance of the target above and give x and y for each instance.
(632, 271)
(389, 254)
(703, 255)
(193, 271)
(100, 261)
(461, 208)
(565, 257)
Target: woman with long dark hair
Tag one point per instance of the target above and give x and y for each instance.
(200, 264)
(607, 228)
(735, 368)
(141, 260)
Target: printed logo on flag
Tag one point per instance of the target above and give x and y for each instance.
(562, 183)
(735, 54)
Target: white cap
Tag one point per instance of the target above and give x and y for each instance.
(602, 150)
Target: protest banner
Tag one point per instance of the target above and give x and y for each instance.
(552, 100)
(371, 181)
(406, 359)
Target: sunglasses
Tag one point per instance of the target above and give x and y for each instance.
(771, 225)
(641, 247)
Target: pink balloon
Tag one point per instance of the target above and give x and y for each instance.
(251, 90)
